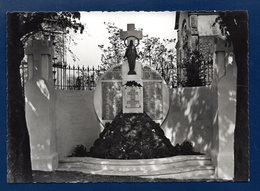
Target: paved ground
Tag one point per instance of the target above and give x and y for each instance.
(78, 177)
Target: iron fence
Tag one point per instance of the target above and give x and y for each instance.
(169, 74)
(68, 77)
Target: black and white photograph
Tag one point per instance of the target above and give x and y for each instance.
(127, 96)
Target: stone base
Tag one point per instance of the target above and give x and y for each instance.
(225, 167)
(189, 167)
(45, 163)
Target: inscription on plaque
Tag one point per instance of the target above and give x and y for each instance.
(153, 103)
(118, 92)
(132, 98)
(111, 99)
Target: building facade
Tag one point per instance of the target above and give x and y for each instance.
(197, 31)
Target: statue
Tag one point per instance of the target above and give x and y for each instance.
(131, 56)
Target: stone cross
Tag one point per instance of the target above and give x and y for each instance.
(131, 33)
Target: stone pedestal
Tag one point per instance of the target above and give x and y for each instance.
(40, 110)
(132, 95)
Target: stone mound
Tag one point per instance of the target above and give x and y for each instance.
(135, 136)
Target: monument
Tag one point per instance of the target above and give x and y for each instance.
(135, 101)
(130, 88)
(132, 82)
(131, 36)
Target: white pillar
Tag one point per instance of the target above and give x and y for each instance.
(40, 97)
(225, 117)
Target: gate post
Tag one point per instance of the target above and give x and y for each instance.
(40, 105)
(224, 116)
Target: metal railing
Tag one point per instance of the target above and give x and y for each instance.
(68, 77)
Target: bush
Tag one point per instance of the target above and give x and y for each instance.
(79, 151)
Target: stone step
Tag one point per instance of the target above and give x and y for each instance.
(189, 172)
(141, 165)
(178, 167)
(176, 159)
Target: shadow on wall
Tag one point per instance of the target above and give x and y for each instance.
(58, 120)
(226, 123)
(76, 121)
(203, 115)
(227, 106)
(38, 99)
(190, 117)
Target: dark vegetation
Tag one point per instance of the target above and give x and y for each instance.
(134, 136)
(79, 151)
(132, 83)
(195, 69)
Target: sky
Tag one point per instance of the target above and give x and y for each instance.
(155, 24)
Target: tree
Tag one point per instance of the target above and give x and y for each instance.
(195, 69)
(158, 53)
(234, 26)
(114, 53)
(20, 26)
(153, 51)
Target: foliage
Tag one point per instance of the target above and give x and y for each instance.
(136, 136)
(114, 53)
(158, 53)
(186, 148)
(133, 83)
(195, 69)
(154, 51)
(33, 22)
(57, 26)
(79, 151)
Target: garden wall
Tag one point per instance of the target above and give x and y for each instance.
(190, 117)
(76, 121)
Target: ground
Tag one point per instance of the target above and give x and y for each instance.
(78, 177)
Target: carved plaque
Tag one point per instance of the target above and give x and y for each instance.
(133, 97)
(111, 99)
(113, 96)
(153, 103)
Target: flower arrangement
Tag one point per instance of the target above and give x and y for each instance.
(132, 84)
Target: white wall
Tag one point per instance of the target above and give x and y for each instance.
(76, 121)
(190, 117)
